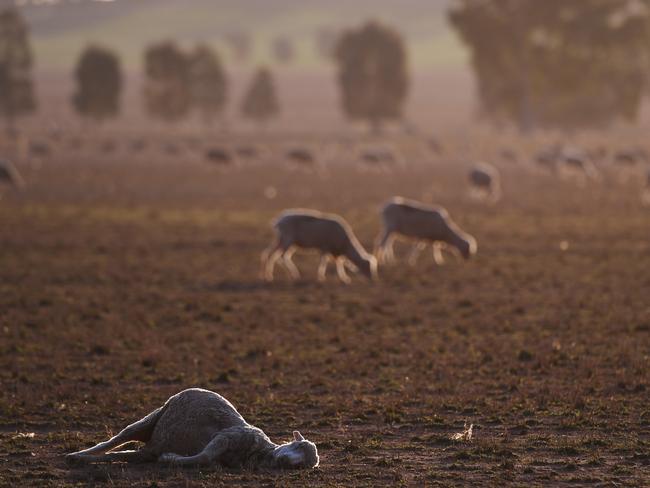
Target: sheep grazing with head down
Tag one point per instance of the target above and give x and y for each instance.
(485, 181)
(200, 427)
(329, 234)
(424, 224)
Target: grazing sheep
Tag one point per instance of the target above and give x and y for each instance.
(247, 152)
(485, 181)
(300, 158)
(9, 174)
(422, 223)
(574, 161)
(200, 427)
(631, 157)
(39, 149)
(219, 156)
(547, 158)
(327, 233)
(379, 158)
(138, 145)
(171, 149)
(109, 146)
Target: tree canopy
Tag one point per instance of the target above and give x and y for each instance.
(260, 102)
(373, 76)
(208, 85)
(557, 63)
(167, 87)
(99, 84)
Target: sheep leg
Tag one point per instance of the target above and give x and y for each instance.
(140, 456)
(209, 455)
(384, 246)
(437, 254)
(322, 267)
(266, 254)
(415, 252)
(290, 265)
(137, 431)
(340, 270)
(270, 264)
(268, 258)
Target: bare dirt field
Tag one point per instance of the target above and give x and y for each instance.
(126, 279)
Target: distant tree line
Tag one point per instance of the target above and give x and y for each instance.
(557, 63)
(538, 64)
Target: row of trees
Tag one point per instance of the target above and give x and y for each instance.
(176, 84)
(557, 63)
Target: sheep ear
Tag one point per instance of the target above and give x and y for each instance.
(297, 436)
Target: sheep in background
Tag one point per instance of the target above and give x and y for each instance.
(631, 157)
(39, 149)
(138, 145)
(485, 181)
(200, 427)
(109, 146)
(301, 159)
(422, 223)
(327, 233)
(248, 151)
(380, 158)
(9, 174)
(576, 162)
(630, 164)
(547, 158)
(219, 157)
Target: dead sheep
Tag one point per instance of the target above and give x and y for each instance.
(329, 234)
(422, 223)
(200, 427)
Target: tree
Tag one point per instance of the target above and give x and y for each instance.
(325, 42)
(260, 101)
(240, 44)
(167, 86)
(16, 86)
(283, 50)
(372, 73)
(557, 63)
(99, 84)
(208, 86)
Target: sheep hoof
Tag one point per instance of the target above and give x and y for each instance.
(168, 457)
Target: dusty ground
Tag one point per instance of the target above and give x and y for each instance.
(123, 281)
